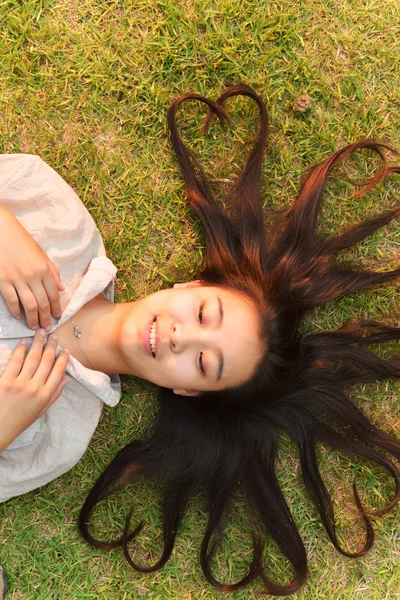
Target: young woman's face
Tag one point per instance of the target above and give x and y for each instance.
(192, 338)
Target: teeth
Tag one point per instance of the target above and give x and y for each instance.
(153, 331)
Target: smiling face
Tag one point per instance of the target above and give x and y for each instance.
(193, 338)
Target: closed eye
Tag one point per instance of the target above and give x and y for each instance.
(201, 367)
(201, 313)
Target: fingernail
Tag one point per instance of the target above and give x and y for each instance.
(35, 326)
(23, 342)
(66, 350)
(57, 316)
(54, 337)
(48, 328)
(42, 332)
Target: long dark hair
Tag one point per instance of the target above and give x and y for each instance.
(225, 442)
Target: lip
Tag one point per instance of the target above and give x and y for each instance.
(146, 338)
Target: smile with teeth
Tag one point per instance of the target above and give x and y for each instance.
(153, 332)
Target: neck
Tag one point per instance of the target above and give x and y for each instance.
(99, 322)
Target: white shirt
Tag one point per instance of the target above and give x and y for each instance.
(52, 213)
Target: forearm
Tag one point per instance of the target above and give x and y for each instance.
(5, 212)
(7, 217)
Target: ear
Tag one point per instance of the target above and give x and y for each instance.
(188, 284)
(186, 392)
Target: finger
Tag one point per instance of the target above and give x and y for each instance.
(29, 303)
(16, 361)
(47, 360)
(53, 295)
(56, 395)
(42, 303)
(11, 298)
(57, 372)
(57, 276)
(34, 356)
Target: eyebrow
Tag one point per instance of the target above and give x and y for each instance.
(220, 366)
(220, 312)
(220, 321)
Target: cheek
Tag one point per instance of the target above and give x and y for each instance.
(182, 304)
(180, 370)
(178, 311)
(172, 364)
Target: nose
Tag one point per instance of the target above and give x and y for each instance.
(182, 336)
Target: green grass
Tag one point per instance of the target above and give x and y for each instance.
(86, 85)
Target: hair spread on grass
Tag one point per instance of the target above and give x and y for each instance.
(221, 443)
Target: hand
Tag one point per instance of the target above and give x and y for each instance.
(27, 275)
(28, 386)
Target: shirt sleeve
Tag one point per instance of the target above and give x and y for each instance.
(52, 213)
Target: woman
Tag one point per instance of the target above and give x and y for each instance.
(224, 441)
(77, 336)
(230, 342)
(162, 338)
